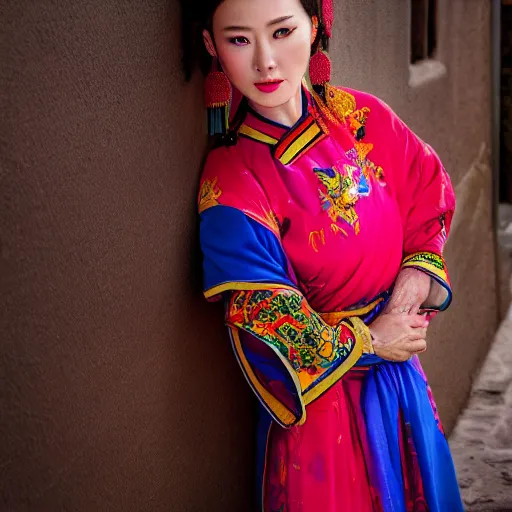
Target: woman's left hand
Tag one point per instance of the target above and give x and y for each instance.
(411, 290)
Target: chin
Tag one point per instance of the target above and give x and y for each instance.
(273, 100)
(270, 103)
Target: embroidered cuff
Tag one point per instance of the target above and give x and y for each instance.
(434, 265)
(363, 332)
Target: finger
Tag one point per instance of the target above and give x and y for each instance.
(403, 355)
(398, 311)
(418, 321)
(414, 335)
(414, 309)
(397, 301)
(419, 333)
(398, 356)
(416, 346)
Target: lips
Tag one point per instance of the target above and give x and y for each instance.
(268, 87)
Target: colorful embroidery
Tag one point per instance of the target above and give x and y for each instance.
(284, 320)
(208, 194)
(343, 192)
(434, 265)
(341, 108)
(428, 260)
(269, 220)
(359, 117)
(340, 102)
(357, 121)
(343, 105)
(337, 230)
(362, 149)
(316, 238)
(359, 155)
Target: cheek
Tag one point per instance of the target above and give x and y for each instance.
(235, 62)
(296, 55)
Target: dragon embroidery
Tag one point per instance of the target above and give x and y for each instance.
(342, 193)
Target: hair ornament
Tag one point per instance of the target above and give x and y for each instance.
(328, 16)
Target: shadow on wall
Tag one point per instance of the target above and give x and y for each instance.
(119, 386)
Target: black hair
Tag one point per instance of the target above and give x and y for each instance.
(197, 15)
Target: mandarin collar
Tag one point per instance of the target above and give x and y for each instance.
(286, 143)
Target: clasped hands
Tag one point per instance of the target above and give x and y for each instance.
(400, 331)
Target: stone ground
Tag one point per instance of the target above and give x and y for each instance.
(481, 442)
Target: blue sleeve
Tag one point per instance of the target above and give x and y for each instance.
(238, 251)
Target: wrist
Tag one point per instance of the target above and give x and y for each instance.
(375, 337)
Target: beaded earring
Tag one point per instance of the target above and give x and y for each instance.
(320, 65)
(320, 72)
(217, 99)
(340, 104)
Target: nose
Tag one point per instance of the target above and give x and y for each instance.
(264, 58)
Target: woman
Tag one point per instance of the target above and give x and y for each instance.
(323, 220)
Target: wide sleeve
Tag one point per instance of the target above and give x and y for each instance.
(287, 353)
(426, 201)
(239, 232)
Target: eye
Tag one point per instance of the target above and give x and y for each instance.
(239, 40)
(281, 33)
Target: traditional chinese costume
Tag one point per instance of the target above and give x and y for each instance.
(304, 231)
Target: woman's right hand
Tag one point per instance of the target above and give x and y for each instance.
(397, 337)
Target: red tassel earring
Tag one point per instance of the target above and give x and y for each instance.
(339, 103)
(217, 98)
(320, 64)
(320, 72)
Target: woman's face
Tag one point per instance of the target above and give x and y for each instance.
(264, 47)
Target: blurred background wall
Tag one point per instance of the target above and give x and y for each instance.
(118, 389)
(445, 97)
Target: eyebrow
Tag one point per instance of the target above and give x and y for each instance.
(269, 24)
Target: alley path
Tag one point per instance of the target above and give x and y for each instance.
(482, 440)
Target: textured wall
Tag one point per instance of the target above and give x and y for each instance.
(452, 113)
(118, 390)
(506, 104)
